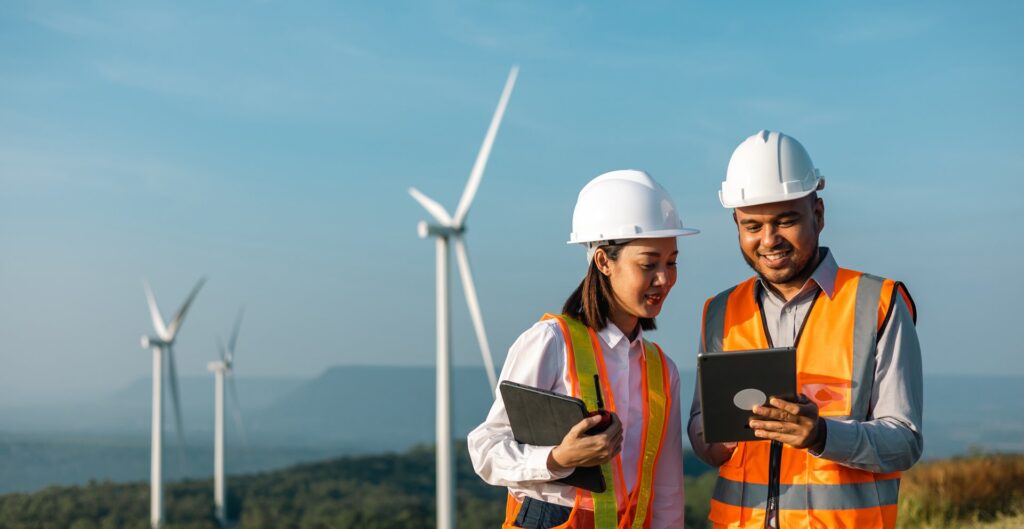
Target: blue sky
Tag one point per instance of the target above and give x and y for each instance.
(270, 145)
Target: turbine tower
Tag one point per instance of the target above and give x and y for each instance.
(161, 343)
(445, 229)
(220, 369)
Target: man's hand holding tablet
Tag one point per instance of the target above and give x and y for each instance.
(795, 424)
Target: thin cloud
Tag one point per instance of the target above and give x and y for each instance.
(35, 168)
(886, 28)
(332, 44)
(135, 20)
(68, 23)
(793, 111)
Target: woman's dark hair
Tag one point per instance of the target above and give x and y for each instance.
(591, 301)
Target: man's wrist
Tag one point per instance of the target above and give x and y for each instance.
(820, 438)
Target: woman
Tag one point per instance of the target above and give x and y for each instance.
(629, 225)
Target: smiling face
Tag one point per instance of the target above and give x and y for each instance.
(780, 240)
(640, 278)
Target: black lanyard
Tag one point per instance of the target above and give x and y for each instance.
(771, 510)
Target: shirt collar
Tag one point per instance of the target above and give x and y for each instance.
(612, 335)
(824, 275)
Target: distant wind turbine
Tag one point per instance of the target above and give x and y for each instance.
(222, 368)
(163, 341)
(449, 227)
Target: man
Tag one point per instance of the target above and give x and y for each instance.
(831, 459)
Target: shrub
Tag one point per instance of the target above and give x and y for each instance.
(978, 488)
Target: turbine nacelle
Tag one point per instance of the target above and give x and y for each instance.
(218, 366)
(424, 229)
(150, 342)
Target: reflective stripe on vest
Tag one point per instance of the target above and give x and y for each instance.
(616, 507)
(585, 360)
(846, 328)
(864, 495)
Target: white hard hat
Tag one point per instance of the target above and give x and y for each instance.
(624, 205)
(768, 167)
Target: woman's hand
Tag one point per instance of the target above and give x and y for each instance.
(581, 450)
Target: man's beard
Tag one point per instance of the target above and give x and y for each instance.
(804, 271)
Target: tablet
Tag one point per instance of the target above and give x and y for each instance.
(733, 382)
(542, 418)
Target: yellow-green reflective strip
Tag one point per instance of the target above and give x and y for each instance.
(585, 358)
(656, 413)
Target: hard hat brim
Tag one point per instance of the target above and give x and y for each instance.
(657, 234)
(767, 199)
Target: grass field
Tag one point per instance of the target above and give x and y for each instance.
(973, 491)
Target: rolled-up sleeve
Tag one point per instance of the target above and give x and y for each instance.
(535, 359)
(891, 440)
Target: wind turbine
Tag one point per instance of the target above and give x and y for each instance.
(221, 368)
(453, 227)
(163, 341)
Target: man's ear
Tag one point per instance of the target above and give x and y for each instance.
(819, 213)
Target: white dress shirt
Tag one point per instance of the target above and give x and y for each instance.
(537, 358)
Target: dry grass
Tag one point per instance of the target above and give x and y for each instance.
(974, 491)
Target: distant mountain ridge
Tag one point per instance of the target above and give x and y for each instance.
(961, 411)
(371, 409)
(389, 406)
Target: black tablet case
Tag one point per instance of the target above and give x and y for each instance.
(722, 374)
(542, 418)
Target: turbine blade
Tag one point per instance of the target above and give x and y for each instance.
(175, 395)
(485, 151)
(234, 335)
(236, 410)
(154, 312)
(474, 311)
(436, 210)
(172, 329)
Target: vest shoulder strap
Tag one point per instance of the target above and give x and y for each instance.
(886, 298)
(582, 347)
(713, 321)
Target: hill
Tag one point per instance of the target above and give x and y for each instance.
(335, 406)
(376, 492)
(391, 491)
(382, 491)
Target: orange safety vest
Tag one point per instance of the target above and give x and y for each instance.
(835, 355)
(616, 508)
